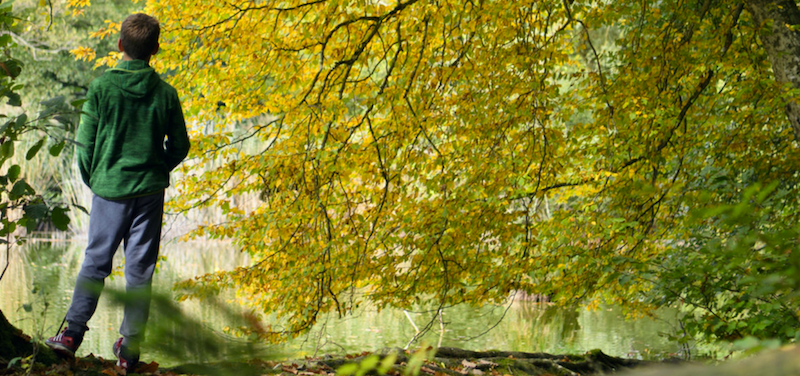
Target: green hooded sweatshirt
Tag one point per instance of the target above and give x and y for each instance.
(132, 132)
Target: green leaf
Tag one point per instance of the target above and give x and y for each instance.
(60, 218)
(347, 369)
(29, 223)
(21, 120)
(14, 362)
(8, 228)
(11, 68)
(78, 103)
(36, 211)
(34, 149)
(13, 173)
(55, 150)
(368, 364)
(21, 188)
(56, 101)
(7, 149)
(14, 99)
(66, 121)
(387, 363)
(81, 208)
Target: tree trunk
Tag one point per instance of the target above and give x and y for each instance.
(776, 18)
(13, 342)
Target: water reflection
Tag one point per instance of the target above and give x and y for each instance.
(36, 290)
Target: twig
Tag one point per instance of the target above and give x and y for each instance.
(505, 311)
(416, 329)
(8, 256)
(441, 329)
(427, 327)
(50, 5)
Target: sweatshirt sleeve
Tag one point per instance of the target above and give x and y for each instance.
(177, 143)
(87, 134)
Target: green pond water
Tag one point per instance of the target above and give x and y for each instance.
(36, 291)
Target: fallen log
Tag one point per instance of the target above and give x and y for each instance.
(454, 361)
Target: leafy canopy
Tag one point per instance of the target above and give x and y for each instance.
(437, 152)
(22, 209)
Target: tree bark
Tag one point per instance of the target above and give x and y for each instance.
(775, 19)
(13, 342)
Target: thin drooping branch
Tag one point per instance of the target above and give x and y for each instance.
(8, 256)
(34, 48)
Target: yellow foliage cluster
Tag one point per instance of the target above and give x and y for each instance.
(436, 152)
(110, 29)
(83, 53)
(78, 6)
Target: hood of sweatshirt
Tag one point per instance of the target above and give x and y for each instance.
(135, 78)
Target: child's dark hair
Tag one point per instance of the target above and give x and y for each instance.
(139, 35)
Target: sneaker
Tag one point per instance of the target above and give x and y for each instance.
(64, 343)
(126, 360)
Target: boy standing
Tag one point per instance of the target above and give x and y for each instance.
(131, 135)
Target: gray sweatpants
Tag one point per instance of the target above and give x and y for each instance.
(137, 223)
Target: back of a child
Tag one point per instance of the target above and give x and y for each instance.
(130, 110)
